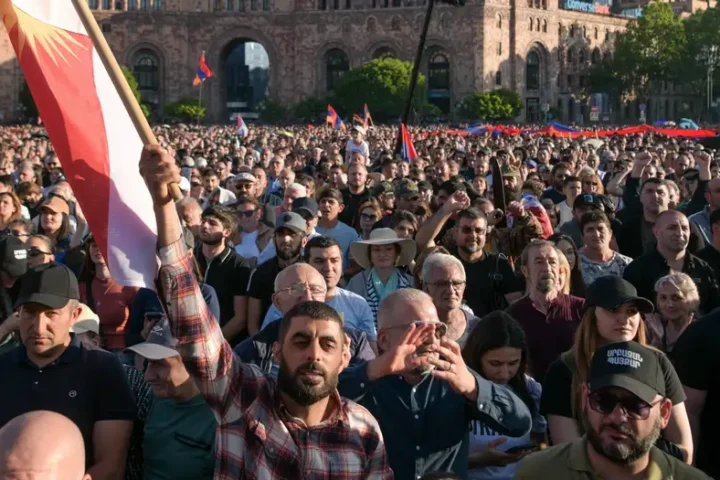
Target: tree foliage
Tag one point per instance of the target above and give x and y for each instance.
(489, 106)
(703, 31)
(310, 109)
(187, 109)
(132, 82)
(383, 84)
(272, 111)
(511, 98)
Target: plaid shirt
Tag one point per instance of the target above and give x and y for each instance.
(256, 437)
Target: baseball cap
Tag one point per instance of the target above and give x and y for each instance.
(56, 205)
(588, 199)
(359, 128)
(13, 256)
(245, 177)
(424, 185)
(508, 171)
(52, 284)
(630, 366)
(305, 204)
(380, 188)
(159, 344)
(291, 220)
(406, 188)
(611, 291)
(88, 321)
(531, 163)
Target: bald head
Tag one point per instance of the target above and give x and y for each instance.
(304, 277)
(404, 306)
(42, 446)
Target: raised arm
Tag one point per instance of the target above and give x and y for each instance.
(206, 354)
(425, 237)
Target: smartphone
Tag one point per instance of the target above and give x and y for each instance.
(521, 448)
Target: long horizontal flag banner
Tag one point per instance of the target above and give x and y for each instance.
(553, 131)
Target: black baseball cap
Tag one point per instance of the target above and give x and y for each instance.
(306, 204)
(588, 199)
(52, 284)
(13, 256)
(611, 292)
(630, 366)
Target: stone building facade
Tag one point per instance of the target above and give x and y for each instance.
(533, 47)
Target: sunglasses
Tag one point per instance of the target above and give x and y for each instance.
(36, 252)
(247, 213)
(366, 216)
(593, 184)
(470, 230)
(17, 233)
(632, 407)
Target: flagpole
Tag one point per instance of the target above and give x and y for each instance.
(118, 79)
(200, 102)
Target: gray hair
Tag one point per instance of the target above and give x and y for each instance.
(440, 260)
(296, 187)
(189, 202)
(404, 295)
(685, 284)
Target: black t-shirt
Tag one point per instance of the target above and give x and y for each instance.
(556, 396)
(228, 274)
(698, 364)
(479, 287)
(712, 256)
(261, 283)
(352, 201)
(555, 195)
(86, 386)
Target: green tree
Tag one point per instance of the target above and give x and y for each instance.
(486, 106)
(649, 50)
(703, 32)
(383, 84)
(272, 111)
(511, 98)
(132, 82)
(310, 109)
(28, 102)
(187, 109)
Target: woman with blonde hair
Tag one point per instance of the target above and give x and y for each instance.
(677, 302)
(10, 210)
(613, 314)
(591, 183)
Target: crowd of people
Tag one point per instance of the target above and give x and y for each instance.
(325, 309)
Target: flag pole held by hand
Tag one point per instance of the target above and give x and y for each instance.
(111, 65)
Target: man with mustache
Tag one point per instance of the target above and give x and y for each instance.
(672, 233)
(548, 316)
(423, 394)
(624, 410)
(298, 427)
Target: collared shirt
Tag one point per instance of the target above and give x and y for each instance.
(570, 461)
(548, 334)
(426, 425)
(254, 437)
(86, 386)
(644, 271)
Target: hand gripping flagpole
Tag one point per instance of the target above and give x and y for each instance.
(111, 65)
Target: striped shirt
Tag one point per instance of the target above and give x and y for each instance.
(256, 437)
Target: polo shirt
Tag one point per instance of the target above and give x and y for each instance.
(548, 335)
(570, 461)
(86, 386)
(228, 274)
(647, 269)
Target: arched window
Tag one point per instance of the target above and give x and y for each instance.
(157, 4)
(532, 71)
(107, 4)
(544, 28)
(323, 5)
(572, 30)
(384, 52)
(120, 5)
(570, 56)
(597, 35)
(532, 23)
(439, 81)
(144, 4)
(499, 21)
(336, 64)
(132, 5)
(93, 4)
(537, 3)
(584, 32)
(146, 67)
(498, 78)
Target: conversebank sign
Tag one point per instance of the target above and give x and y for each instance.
(587, 7)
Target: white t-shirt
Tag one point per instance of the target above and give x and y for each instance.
(355, 310)
(565, 213)
(353, 147)
(481, 435)
(248, 247)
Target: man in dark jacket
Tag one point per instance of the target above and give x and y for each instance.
(13, 264)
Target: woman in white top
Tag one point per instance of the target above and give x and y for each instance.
(497, 350)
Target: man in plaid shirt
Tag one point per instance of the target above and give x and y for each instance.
(296, 428)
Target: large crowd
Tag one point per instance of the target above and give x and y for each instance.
(325, 309)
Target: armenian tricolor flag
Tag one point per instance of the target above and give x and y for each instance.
(203, 71)
(408, 149)
(334, 119)
(242, 129)
(358, 119)
(368, 119)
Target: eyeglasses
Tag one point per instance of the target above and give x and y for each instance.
(594, 184)
(366, 216)
(470, 231)
(299, 289)
(247, 213)
(36, 252)
(445, 284)
(17, 233)
(632, 407)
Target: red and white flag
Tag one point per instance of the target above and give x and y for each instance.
(90, 129)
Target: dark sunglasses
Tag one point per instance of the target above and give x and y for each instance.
(366, 216)
(594, 184)
(247, 213)
(17, 233)
(470, 230)
(36, 252)
(632, 407)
